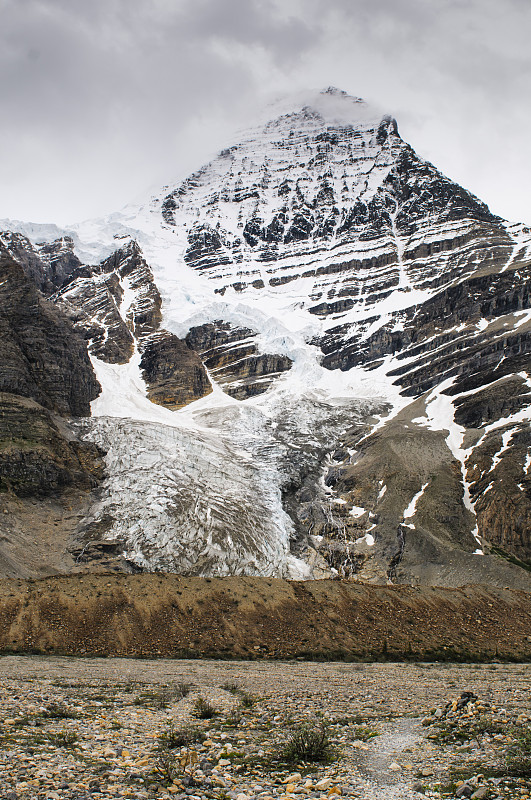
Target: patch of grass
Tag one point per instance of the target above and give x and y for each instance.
(233, 718)
(174, 737)
(351, 719)
(58, 711)
(307, 742)
(230, 686)
(458, 731)
(518, 755)
(155, 699)
(182, 690)
(247, 700)
(459, 774)
(26, 720)
(364, 733)
(203, 709)
(62, 738)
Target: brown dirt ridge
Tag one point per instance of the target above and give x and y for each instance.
(163, 615)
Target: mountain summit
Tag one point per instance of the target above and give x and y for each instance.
(313, 356)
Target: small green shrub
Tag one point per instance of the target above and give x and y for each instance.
(174, 737)
(518, 755)
(203, 709)
(364, 733)
(62, 739)
(247, 700)
(307, 743)
(167, 765)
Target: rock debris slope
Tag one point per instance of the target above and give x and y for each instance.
(314, 361)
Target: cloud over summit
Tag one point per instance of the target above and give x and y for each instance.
(104, 98)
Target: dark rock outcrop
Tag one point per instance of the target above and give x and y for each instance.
(173, 372)
(41, 356)
(37, 456)
(114, 306)
(500, 487)
(231, 355)
(46, 472)
(48, 264)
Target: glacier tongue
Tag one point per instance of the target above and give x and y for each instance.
(205, 497)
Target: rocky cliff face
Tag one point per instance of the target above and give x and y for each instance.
(364, 323)
(36, 457)
(41, 357)
(117, 306)
(45, 376)
(232, 358)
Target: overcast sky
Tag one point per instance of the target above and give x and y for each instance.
(103, 99)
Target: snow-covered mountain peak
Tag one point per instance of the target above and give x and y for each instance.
(333, 105)
(312, 275)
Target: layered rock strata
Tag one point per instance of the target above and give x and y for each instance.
(232, 357)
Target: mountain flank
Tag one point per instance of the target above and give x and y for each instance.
(309, 359)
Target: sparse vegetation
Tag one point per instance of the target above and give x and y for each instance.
(307, 742)
(62, 738)
(233, 718)
(518, 756)
(459, 730)
(155, 699)
(364, 733)
(486, 743)
(247, 700)
(203, 709)
(184, 736)
(58, 711)
(167, 765)
(182, 690)
(230, 686)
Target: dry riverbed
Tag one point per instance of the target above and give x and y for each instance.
(108, 728)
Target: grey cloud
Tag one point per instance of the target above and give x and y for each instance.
(101, 97)
(251, 23)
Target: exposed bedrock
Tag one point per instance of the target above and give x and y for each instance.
(38, 456)
(46, 472)
(41, 355)
(441, 338)
(501, 489)
(232, 357)
(495, 401)
(143, 311)
(396, 511)
(115, 306)
(113, 303)
(174, 373)
(47, 264)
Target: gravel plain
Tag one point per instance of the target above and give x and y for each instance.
(100, 728)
